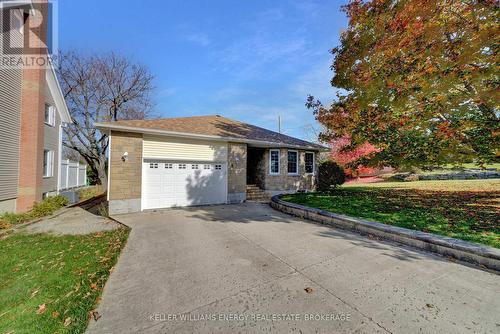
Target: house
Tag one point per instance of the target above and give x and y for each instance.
(201, 160)
(32, 115)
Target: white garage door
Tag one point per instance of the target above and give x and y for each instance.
(169, 184)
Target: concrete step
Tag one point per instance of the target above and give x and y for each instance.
(260, 200)
(255, 192)
(263, 196)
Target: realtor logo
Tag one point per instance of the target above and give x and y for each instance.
(28, 33)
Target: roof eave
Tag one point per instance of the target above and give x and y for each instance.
(57, 94)
(20, 4)
(260, 143)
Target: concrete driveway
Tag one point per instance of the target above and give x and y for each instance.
(245, 268)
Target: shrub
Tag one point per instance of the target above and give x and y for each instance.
(8, 219)
(48, 206)
(45, 208)
(90, 192)
(330, 176)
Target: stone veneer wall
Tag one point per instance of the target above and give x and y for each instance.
(125, 176)
(237, 172)
(284, 182)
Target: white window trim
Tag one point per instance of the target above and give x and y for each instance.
(49, 171)
(296, 162)
(52, 115)
(270, 161)
(17, 18)
(314, 163)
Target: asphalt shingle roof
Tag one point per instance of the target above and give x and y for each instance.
(215, 125)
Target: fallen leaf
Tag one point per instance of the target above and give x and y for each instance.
(93, 286)
(308, 290)
(55, 314)
(67, 321)
(41, 309)
(95, 315)
(429, 305)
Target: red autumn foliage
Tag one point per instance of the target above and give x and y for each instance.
(347, 158)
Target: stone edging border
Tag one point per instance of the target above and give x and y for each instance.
(485, 256)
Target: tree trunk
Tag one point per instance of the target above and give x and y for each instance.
(102, 172)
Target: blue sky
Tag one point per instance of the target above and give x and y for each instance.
(247, 60)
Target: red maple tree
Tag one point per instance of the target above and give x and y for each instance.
(350, 157)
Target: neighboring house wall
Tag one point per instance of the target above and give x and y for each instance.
(32, 123)
(237, 172)
(23, 135)
(51, 142)
(10, 119)
(124, 193)
(284, 182)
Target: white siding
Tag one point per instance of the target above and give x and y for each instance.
(184, 149)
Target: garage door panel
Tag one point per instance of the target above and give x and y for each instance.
(170, 184)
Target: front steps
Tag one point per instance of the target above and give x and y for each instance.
(255, 194)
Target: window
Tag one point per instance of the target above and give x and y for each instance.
(206, 166)
(274, 161)
(168, 166)
(182, 166)
(17, 20)
(50, 115)
(48, 163)
(218, 167)
(153, 165)
(292, 162)
(195, 166)
(309, 157)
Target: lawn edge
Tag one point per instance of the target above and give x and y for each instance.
(477, 254)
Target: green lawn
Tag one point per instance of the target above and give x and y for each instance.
(467, 210)
(50, 284)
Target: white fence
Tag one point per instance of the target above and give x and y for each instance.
(73, 174)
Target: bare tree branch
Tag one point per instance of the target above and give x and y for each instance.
(101, 88)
